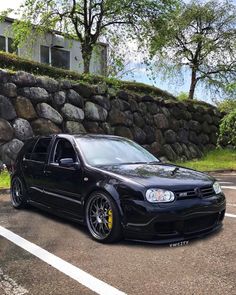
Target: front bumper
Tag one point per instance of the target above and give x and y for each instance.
(175, 222)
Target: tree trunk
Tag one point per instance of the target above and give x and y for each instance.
(87, 55)
(193, 83)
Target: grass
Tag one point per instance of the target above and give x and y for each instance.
(4, 180)
(221, 159)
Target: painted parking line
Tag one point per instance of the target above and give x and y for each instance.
(230, 215)
(63, 266)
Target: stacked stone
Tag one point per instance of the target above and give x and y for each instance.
(31, 106)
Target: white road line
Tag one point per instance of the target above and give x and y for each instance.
(65, 267)
(229, 182)
(229, 187)
(229, 204)
(230, 215)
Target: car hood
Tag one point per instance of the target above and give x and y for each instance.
(161, 175)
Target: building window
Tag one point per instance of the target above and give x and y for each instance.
(55, 57)
(44, 54)
(60, 58)
(6, 44)
(2, 43)
(11, 48)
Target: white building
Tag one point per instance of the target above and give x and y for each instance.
(55, 50)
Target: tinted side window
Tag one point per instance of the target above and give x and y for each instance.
(28, 148)
(63, 149)
(41, 150)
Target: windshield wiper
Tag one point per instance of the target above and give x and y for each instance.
(153, 162)
(134, 163)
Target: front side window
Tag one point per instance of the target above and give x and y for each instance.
(63, 149)
(41, 150)
(113, 151)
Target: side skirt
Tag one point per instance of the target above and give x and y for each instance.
(56, 212)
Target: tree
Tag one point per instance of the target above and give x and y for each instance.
(87, 20)
(200, 37)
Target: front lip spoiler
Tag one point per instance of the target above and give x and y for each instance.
(189, 237)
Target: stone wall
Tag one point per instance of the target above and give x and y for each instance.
(31, 105)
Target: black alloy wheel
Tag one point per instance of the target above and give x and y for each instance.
(17, 193)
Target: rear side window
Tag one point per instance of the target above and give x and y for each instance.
(28, 149)
(41, 150)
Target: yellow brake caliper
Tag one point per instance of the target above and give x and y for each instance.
(110, 219)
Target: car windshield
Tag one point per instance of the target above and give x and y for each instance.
(113, 151)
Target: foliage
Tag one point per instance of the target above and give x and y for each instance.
(201, 38)
(227, 105)
(182, 96)
(85, 20)
(4, 179)
(220, 159)
(227, 134)
(14, 63)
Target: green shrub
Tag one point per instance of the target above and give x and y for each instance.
(227, 105)
(227, 134)
(182, 96)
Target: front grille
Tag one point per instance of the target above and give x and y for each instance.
(200, 223)
(207, 191)
(188, 226)
(203, 192)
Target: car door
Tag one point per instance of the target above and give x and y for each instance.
(63, 185)
(34, 169)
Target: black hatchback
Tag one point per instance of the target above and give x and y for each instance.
(117, 188)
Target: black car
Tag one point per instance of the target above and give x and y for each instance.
(117, 188)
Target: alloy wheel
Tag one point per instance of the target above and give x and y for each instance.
(17, 192)
(99, 216)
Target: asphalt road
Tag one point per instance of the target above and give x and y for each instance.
(206, 266)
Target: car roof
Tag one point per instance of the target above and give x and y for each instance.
(87, 135)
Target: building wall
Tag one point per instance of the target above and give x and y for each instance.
(32, 50)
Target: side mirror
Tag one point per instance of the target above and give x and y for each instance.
(69, 163)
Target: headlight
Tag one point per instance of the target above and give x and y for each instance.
(217, 188)
(159, 196)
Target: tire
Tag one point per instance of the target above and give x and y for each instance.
(103, 218)
(18, 193)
